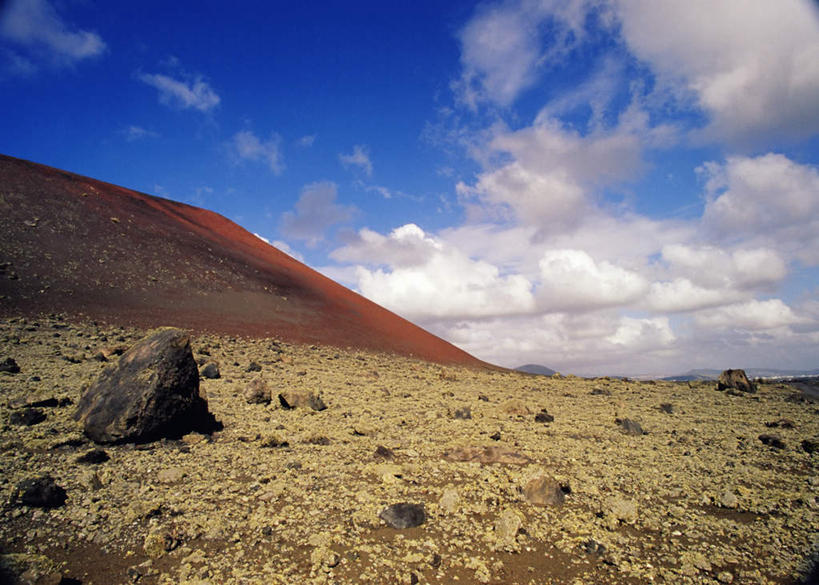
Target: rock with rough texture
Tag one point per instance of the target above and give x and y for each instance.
(630, 427)
(10, 366)
(544, 417)
(507, 526)
(735, 380)
(257, 392)
(404, 515)
(772, 441)
(464, 413)
(40, 492)
(544, 491)
(27, 417)
(810, 446)
(301, 399)
(210, 370)
(150, 393)
(93, 457)
(491, 454)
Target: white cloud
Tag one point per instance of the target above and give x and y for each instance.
(427, 278)
(553, 173)
(715, 267)
(642, 334)
(504, 45)
(681, 294)
(315, 212)
(306, 141)
(360, 158)
(770, 199)
(36, 25)
(753, 315)
(134, 133)
(751, 65)
(193, 93)
(572, 280)
(246, 145)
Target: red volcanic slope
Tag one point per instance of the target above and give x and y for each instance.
(94, 250)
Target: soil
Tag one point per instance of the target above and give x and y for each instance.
(294, 495)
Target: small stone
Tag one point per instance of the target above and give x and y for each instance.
(782, 423)
(725, 577)
(620, 510)
(487, 455)
(464, 413)
(810, 446)
(404, 515)
(507, 526)
(210, 370)
(10, 366)
(93, 457)
(158, 542)
(630, 427)
(449, 500)
(667, 408)
(544, 417)
(257, 392)
(728, 500)
(254, 367)
(772, 441)
(382, 452)
(544, 491)
(27, 417)
(301, 399)
(171, 475)
(41, 492)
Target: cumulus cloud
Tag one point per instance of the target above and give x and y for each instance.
(360, 157)
(36, 25)
(306, 141)
(571, 280)
(315, 212)
(751, 65)
(428, 278)
(767, 198)
(245, 145)
(553, 173)
(193, 93)
(718, 268)
(753, 315)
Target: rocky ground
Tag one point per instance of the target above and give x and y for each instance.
(508, 478)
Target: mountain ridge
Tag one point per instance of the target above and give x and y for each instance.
(99, 251)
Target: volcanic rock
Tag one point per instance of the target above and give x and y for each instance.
(210, 370)
(40, 492)
(93, 457)
(630, 427)
(544, 417)
(735, 380)
(544, 491)
(810, 446)
(257, 392)
(151, 392)
(301, 399)
(403, 515)
(27, 417)
(254, 367)
(464, 413)
(10, 366)
(772, 441)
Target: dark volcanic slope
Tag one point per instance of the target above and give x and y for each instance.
(95, 250)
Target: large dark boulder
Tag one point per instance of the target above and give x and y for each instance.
(735, 380)
(150, 393)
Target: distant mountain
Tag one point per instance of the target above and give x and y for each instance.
(536, 369)
(706, 374)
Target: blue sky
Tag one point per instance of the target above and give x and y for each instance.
(600, 186)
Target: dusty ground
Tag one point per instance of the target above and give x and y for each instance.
(294, 496)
